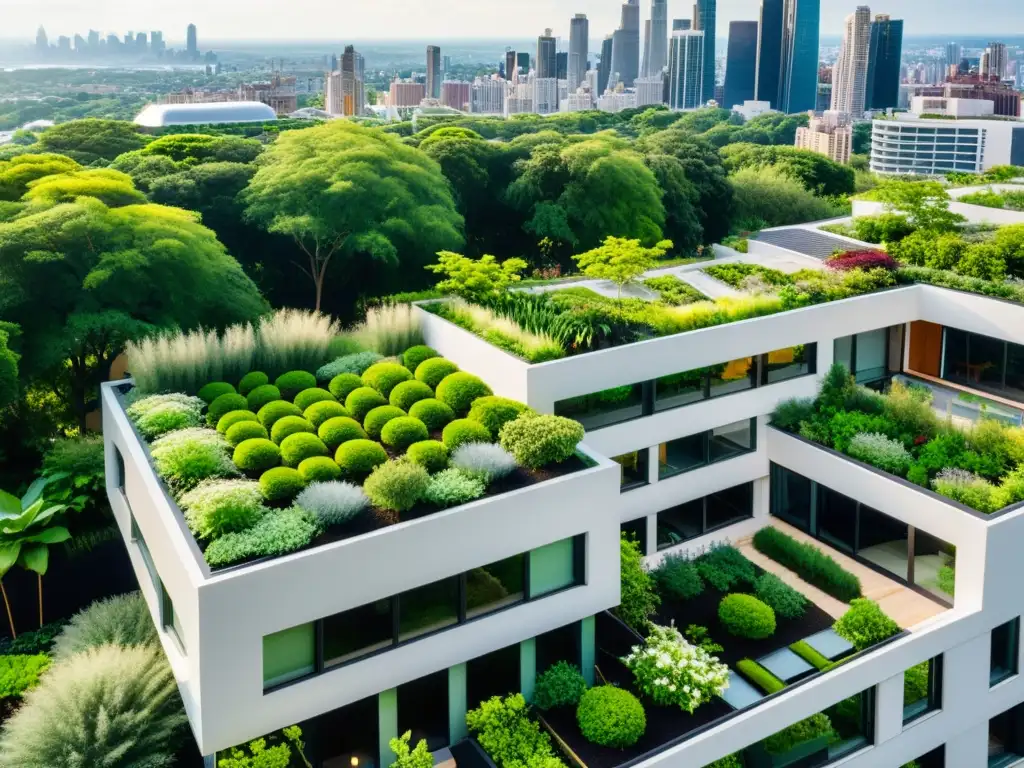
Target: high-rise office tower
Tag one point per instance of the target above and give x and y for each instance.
(562, 65)
(741, 63)
(704, 15)
(156, 42)
(644, 63)
(42, 43)
(680, 24)
(626, 45)
(547, 58)
(954, 52)
(523, 61)
(433, 72)
(579, 49)
(604, 67)
(94, 39)
(192, 42)
(686, 69)
(140, 42)
(769, 52)
(850, 76)
(787, 54)
(994, 61)
(884, 57)
(657, 58)
(353, 94)
(510, 64)
(446, 65)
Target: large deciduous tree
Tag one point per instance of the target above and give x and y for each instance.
(816, 172)
(925, 203)
(92, 141)
(16, 174)
(358, 194)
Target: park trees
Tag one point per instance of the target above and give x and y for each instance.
(18, 172)
(92, 141)
(816, 172)
(767, 196)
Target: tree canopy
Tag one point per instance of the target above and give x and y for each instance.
(816, 172)
(92, 141)
(925, 203)
(17, 173)
(192, 148)
(111, 187)
(768, 196)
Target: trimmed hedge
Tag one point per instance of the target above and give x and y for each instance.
(300, 446)
(256, 455)
(289, 425)
(223, 405)
(402, 432)
(759, 676)
(413, 356)
(360, 457)
(215, 389)
(432, 372)
(407, 393)
(319, 469)
(245, 430)
(865, 624)
(251, 380)
(494, 412)
(431, 412)
(811, 656)
(384, 377)
(459, 390)
(538, 440)
(462, 431)
(432, 455)
(281, 484)
(611, 717)
(231, 418)
(270, 413)
(261, 395)
(746, 616)
(340, 429)
(376, 419)
(293, 382)
(809, 562)
(343, 384)
(363, 400)
(307, 397)
(320, 412)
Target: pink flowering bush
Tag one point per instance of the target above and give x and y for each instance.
(844, 262)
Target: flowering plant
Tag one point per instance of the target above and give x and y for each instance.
(672, 671)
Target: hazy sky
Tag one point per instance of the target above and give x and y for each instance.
(419, 19)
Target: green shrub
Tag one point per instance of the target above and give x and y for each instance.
(256, 455)
(261, 395)
(186, 458)
(319, 469)
(883, 228)
(459, 390)
(252, 380)
(782, 598)
(506, 733)
(452, 487)
(275, 410)
(293, 382)
(343, 384)
(245, 430)
(967, 488)
(32, 641)
(21, 673)
(537, 440)
(811, 656)
(215, 389)
(947, 580)
(363, 400)
(332, 502)
(289, 425)
(405, 394)
(638, 597)
(320, 412)
(396, 485)
(814, 727)
(377, 418)
(281, 484)
(168, 417)
(419, 757)
(338, 430)
(809, 562)
(359, 457)
(734, 760)
(678, 578)
(231, 418)
(560, 685)
(790, 414)
(429, 454)
(463, 431)
(673, 672)
(724, 567)
(108, 706)
(611, 717)
(865, 624)
(308, 397)
(278, 532)
(402, 432)
(433, 371)
(495, 412)
(746, 616)
(413, 356)
(299, 446)
(673, 291)
(759, 676)
(431, 412)
(880, 451)
(487, 461)
(384, 377)
(216, 507)
(355, 364)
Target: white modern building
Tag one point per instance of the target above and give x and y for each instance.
(650, 90)
(161, 115)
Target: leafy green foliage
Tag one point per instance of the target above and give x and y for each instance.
(256, 455)
(674, 291)
(494, 412)
(363, 400)
(396, 485)
(452, 487)
(677, 577)
(811, 656)
(91, 140)
(413, 356)
(292, 383)
(459, 390)
(278, 532)
(506, 733)
(332, 502)
(620, 260)
(611, 717)
(402, 432)
(276, 410)
(924, 203)
(864, 624)
(299, 446)
(379, 417)
(638, 597)
(560, 685)
(674, 672)
(289, 425)
(406, 393)
(746, 616)
(434, 370)
(231, 418)
(187, 457)
(724, 567)
(308, 397)
(462, 432)
(780, 597)
(75, 471)
(384, 377)
(21, 673)
(216, 507)
(261, 395)
(432, 455)
(340, 429)
(475, 280)
(419, 757)
(814, 727)
(771, 195)
(355, 363)
(324, 411)
(809, 562)
(814, 172)
(344, 384)
(431, 412)
(358, 457)
(538, 440)
(123, 620)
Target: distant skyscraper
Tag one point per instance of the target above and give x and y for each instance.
(705, 14)
(547, 58)
(156, 42)
(80, 44)
(954, 52)
(769, 52)
(686, 69)
(94, 39)
(787, 54)
(656, 54)
(192, 42)
(446, 65)
(140, 42)
(626, 45)
(741, 63)
(994, 61)
(850, 76)
(604, 67)
(579, 50)
(42, 43)
(510, 66)
(433, 72)
(353, 95)
(562, 65)
(680, 24)
(884, 63)
(644, 64)
(523, 60)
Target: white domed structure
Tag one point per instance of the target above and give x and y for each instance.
(161, 115)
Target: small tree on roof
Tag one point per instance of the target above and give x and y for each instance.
(621, 260)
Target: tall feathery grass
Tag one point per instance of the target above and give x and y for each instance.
(390, 329)
(292, 340)
(176, 361)
(503, 332)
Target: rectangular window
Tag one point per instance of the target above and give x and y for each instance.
(495, 586)
(735, 376)
(871, 355)
(428, 608)
(147, 558)
(119, 460)
(728, 506)
(791, 497)
(680, 389)
(169, 617)
(609, 406)
(358, 632)
(731, 440)
(922, 689)
(1006, 738)
(553, 567)
(634, 469)
(682, 455)
(636, 530)
(845, 728)
(789, 363)
(289, 655)
(1005, 650)
(695, 518)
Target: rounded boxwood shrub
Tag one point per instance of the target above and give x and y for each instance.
(344, 383)
(407, 393)
(363, 400)
(259, 397)
(561, 685)
(215, 389)
(396, 485)
(494, 412)
(307, 397)
(432, 371)
(289, 425)
(224, 405)
(281, 484)
(359, 457)
(413, 356)
(340, 429)
(256, 455)
(319, 469)
(320, 412)
(385, 376)
(246, 430)
(402, 432)
(746, 616)
(299, 446)
(537, 440)
(231, 418)
(611, 717)
(429, 454)
(378, 417)
(293, 382)
(252, 380)
(272, 412)
(431, 412)
(459, 390)
(462, 431)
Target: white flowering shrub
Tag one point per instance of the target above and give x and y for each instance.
(880, 451)
(673, 672)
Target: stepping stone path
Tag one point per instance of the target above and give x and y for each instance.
(786, 665)
(829, 644)
(740, 693)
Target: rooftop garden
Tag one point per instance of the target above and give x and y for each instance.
(1008, 200)
(269, 442)
(981, 467)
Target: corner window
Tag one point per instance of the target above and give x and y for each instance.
(1005, 650)
(922, 689)
(634, 469)
(289, 655)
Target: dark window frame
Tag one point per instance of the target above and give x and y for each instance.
(705, 530)
(932, 702)
(643, 469)
(1010, 654)
(706, 437)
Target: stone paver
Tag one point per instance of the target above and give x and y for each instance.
(829, 644)
(740, 693)
(786, 665)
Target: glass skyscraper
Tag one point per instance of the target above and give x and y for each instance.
(769, 52)
(686, 69)
(707, 11)
(741, 63)
(787, 54)
(883, 90)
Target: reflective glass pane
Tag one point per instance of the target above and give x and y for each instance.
(682, 455)
(552, 567)
(634, 468)
(680, 523)
(871, 348)
(609, 406)
(954, 359)
(428, 608)
(730, 505)
(289, 654)
(921, 689)
(494, 586)
(731, 440)
(357, 632)
(679, 389)
(883, 541)
(934, 565)
(734, 376)
(791, 497)
(986, 361)
(789, 363)
(1003, 663)
(837, 519)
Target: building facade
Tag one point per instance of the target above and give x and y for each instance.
(625, 61)
(405, 93)
(686, 69)
(741, 63)
(455, 94)
(604, 67)
(279, 94)
(487, 96)
(433, 72)
(545, 95)
(884, 57)
(656, 48)
(650, 90)
(547, 59)
(579, 50)
(705, 15)
(850, 75)
(994, 61)
(921, 145)
(830, 134)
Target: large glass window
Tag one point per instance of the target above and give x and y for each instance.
(699, 450)
(1006, 738)
(637, 531)
(289, 655)
(1005, 650)
(147, 558)
(731, 440)
(169, 617)
(347, 736)
(680, 389)
(791, 497)
(358, 632)
(823, 738)
(922, 689)
(682, 455)
(495, 586)
(728, 506)
(982, 362)
(837, 519)
(609, 406)
(734, 376)
(561, 644)
(882, 540)
(428, 608)
(493, 674)
(553, 567)
(695, 518)
(423, 709)
(680, 523)
(871, 354)
(789, 363)
(852, 720)
(634, 469)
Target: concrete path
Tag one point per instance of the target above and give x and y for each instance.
(708, 285)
